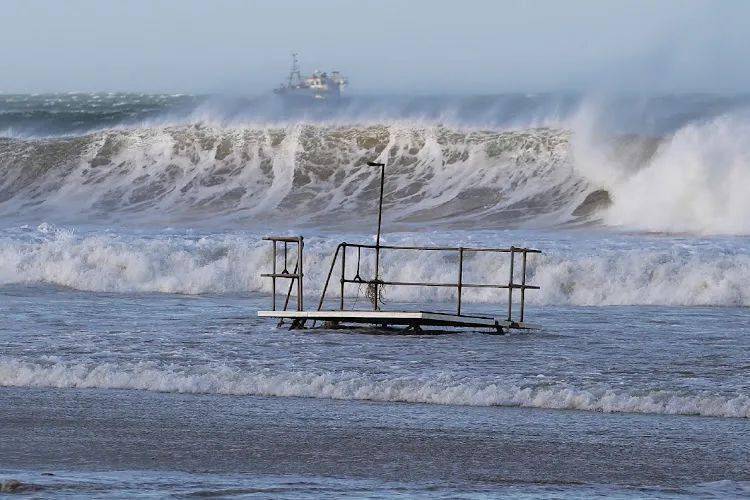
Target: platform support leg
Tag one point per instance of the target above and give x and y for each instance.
(414, 328)
(297, 324)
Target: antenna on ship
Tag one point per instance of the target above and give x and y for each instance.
(295, 70)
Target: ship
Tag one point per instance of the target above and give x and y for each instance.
(320, 86)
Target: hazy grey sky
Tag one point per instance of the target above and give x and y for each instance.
(383, 46)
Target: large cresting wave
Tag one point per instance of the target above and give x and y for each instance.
(303, 173)
(692, 180)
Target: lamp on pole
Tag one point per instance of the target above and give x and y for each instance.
(377, 238)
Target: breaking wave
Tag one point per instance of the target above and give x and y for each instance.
(442, 388)
(578, 273)
(302, 173)
(662, 164)
(316, 175)
(696, 182)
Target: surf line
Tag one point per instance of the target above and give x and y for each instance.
(341, 312)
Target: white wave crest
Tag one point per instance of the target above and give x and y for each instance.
(443, 388)
(110, 263)
(692, 180)
(696, 181)
(300, 172)
(232, 263)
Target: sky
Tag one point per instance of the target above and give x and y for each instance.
(384, 46)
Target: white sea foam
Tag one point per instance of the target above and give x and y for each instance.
(301, 172)
(442, 388)
(689, 181)
(694, 182)
(232, 262)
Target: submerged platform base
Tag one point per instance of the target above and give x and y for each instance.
(413, 320)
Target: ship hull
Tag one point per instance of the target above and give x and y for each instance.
(305, 99)
(308, 94)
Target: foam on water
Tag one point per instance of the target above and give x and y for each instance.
(573, 270)
(443, 388)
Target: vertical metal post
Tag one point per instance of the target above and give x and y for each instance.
(510, 284)
(300, 246)
(343, 276)
(523, 285)
(286, 251)
(377, 238)
(460, 276)
(289, 290)
(273, 278)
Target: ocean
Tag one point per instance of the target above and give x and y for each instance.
(132, 362)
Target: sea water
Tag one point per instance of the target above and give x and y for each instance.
(132, 361)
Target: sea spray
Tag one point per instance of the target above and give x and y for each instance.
(696, 182)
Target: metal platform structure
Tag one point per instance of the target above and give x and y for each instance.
(414, 321)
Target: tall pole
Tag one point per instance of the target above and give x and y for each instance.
(377, 238)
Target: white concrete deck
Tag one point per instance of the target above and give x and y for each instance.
(408, 318)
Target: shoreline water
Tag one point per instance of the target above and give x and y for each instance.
(89, 430)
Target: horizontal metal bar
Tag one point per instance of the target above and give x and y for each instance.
(446, 285)
(289, 239)
(446, 249)
(280, 275)
(515, 286)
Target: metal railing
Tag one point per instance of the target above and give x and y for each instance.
(297, 274)
(376, 282)
(459, 285)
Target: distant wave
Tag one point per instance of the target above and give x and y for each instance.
(442, 388)
(232, 262)
(68, 114)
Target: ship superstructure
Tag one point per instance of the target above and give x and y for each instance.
(318, 86)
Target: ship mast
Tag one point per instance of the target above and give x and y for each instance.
(295, 70)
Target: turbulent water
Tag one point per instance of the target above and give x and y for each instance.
(131, 251)
(192, 168)
(300, 173)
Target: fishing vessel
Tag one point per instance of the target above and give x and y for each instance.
(319, 86)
